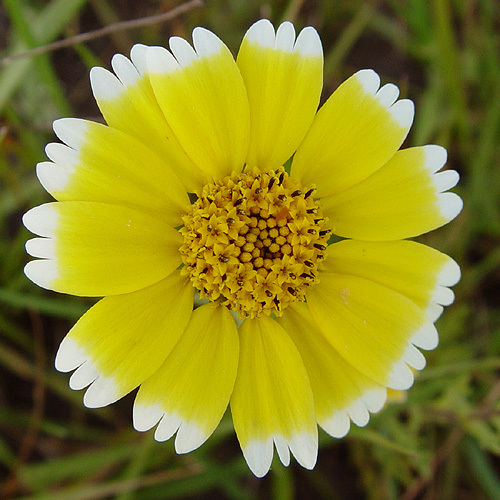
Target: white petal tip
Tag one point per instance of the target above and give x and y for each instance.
(43, 248)
(304, 447)
(426, 337)
(403, 112)
(369, 80)
(435, 157)
(282, 449)
(69, 355)
(371, 401)
(189, 437)
(160, 61)
(261, 33)
(146, 417)
(102, 392)
(450, 274)
(206, 43)
(387, 95)
(105, 85)
(41, 220)
(338, 425)
(374, 399)
(259, 455)
(139, 58)
(285, 37)
(84, 375)
(125, 70)
(167, 427)
(401, 377)
(41, 272)
(182, 51)
(434, 311)
(414, 357)
(450, 205)
(358, 413)
(71, 131)
(308, 43)
(443, 296)
(445, 180)
(53, 177)
(62, 154)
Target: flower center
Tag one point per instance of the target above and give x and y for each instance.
(253, 241)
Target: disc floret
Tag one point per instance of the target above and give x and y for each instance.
(253, 241)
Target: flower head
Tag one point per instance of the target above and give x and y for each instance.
(214, 252)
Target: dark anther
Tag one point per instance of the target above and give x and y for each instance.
(258, 190)
(209, 227)
(292, 276)
(297, 192)
(308, 263)
(223, 258)
(311, 231)
(282, 197)
(320, 247)
(277, 302)
(230, 220)
(239, 201)
(240, 283)
(224, 277)
(312, 210)
(271, 182)
(325, 232)
(282, 176)
(210, 200)
(204, 270)
(292, 291)
(240, 211)
(309, 193)
(317, 221)
(307, 276)
(269, 293)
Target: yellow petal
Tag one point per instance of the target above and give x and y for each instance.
(96, 249)
(102, 164)
(417, 271)
(128, 103)
(202, 95)
(371, 326)
(405, 198)
(191, 390)
(283, 77)
(341, 393)
(356, 131)
(272, 399)
(123, 339)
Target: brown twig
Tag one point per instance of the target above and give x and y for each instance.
(110, 28)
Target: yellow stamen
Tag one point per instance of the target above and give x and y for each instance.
(253, 242)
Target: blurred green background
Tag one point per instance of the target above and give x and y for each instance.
(440, 441)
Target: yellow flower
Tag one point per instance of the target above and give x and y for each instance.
(220, 283)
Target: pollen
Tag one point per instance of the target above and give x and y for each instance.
(253, 242)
